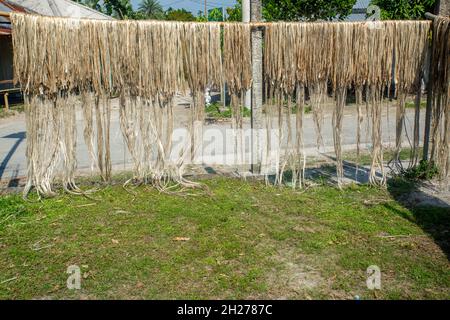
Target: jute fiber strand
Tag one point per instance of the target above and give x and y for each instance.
(58, 61)
(440, 129)
(340, 56)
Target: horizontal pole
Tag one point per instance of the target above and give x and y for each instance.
(430, 16)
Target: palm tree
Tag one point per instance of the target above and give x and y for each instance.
(151, 8)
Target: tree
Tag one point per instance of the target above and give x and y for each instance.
(235, 13)
(151, 9)
(215, 15)
(201, 17)
(121, 9)
(404, 9)
(94, 4)
(179, 15)
(298, 10)
(309, 10)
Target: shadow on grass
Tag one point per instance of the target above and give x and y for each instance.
(428, 212)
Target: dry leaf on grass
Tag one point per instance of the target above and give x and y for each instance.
(181, 239)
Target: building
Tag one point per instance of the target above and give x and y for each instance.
(359, 11)
(54, 8)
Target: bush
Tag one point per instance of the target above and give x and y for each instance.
(425, 170)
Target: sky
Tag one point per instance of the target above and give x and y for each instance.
(191, 5)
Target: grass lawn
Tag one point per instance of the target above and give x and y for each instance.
(246, 240)
(13, 110)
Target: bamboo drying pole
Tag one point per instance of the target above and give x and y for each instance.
(428, 111)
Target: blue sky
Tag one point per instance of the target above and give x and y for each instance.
(191, 5)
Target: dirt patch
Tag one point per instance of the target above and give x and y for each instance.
(294, 276)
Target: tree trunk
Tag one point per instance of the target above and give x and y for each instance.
(257, 86)
(443, 8)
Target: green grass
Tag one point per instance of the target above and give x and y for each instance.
(412, 104)
(388, 154)
(13, 109)
(247, 240)
(214, 111)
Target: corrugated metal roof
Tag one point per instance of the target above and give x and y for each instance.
(359, 11)
(362, 4)
(60, 8)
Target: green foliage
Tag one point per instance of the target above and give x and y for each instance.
(235, 13)
(425, 170)
(201, 17)
(94, 4)
(215, 15)
(179, 15)
(404, 9)
(273, 10)
(310, 10)
(295, 10)
(120, 9)
(214, 111)
(151, 9)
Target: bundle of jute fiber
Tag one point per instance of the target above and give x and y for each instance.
(353, 55)
(144, 63)
(49, 103)
(202, 61)
(342, 76)
(279, 86)
(380, 57)
(411, 46)
(238, 76)
(146, 95)
(440, 81)
(360, 70)
(50, 68)
(187, 57)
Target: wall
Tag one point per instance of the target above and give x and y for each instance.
(6, 61)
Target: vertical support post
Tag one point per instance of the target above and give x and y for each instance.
(257, 87)
(6, 101)
(246, 18)
(429, 108)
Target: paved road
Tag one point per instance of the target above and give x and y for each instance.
(13, 138)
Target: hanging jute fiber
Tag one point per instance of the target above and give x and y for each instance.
(145, 64)
(238, 76)
(440, 83)
(61, 62)
(321, 57)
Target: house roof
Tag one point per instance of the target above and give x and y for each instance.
(359, 11)
(5, 24)
(55, 8)
(59, 8)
